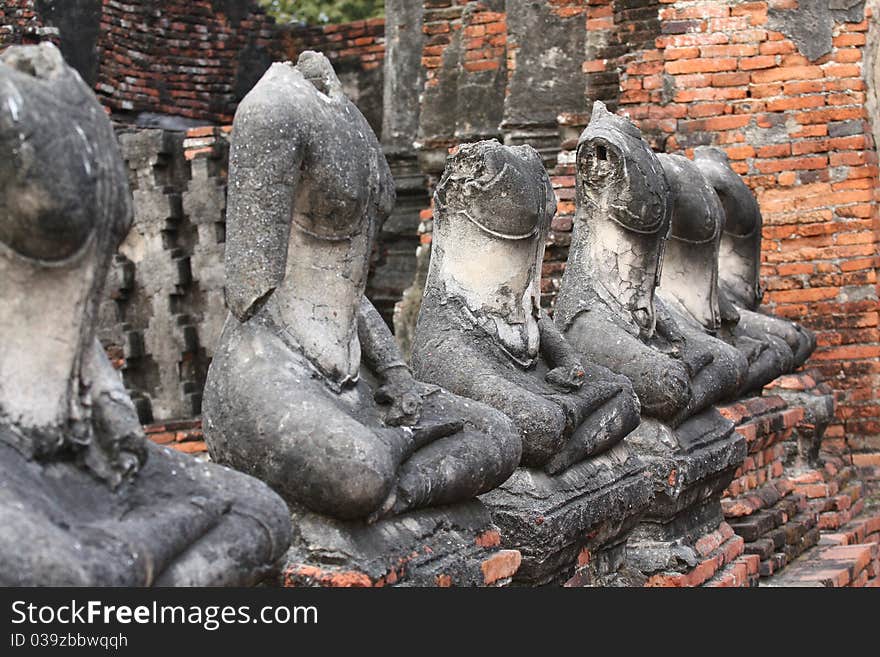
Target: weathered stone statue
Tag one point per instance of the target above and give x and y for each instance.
(608, 310)
(606, 306)
(482, 333)
(84, 498)
(481, 330)
(740, 260)
(307, 389)
(689, 288)
(774, 345)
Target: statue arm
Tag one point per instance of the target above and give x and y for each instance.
(265, 160)
(382, 356)
(666, 325)
(118, 448)
(568, 371)
(377, 344)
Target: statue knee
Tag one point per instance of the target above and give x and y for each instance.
(784, 354)
(506, 436)
(542, 426)
(666, 392)
(355, 490)
(733, 370)
(805, 347)
(348, 476)
(628, 404)
(785, 330)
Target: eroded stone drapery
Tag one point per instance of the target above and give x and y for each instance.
(691, 285)
(308, 390)
(81, 489)
(740, 261)
(608, 310)
(607, 296)
(773, 345)
(689, 288)
(482, 334)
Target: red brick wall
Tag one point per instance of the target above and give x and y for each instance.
(485, 34)
(21, 23)
(196, 58)
(181, 60)
(360, 41)
(356, 51)
(692, 73)
(464, 47)
(798, 131)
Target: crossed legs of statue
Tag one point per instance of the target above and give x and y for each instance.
(331, 451)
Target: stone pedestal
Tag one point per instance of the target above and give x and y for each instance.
(571, 529)
(690, 468)
(785, 493)
(805, 389)
(444, 546)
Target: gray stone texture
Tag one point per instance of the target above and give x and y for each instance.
(690, 466)
(803, 453)
(80, 486)
(782, 345)
(689, 286)
(444, 546)
(590, 507)
(460, 105)
(482, 333)
(632, 210)
(402, 75)
(607, 296)
(307, 389)
(547, 80)
(165, 306)
(394, 263)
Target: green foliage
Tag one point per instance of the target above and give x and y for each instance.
(323, 11)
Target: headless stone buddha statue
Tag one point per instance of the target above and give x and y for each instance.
(689, 289)
(606, 307)
(307, 389)
(85, 499)
(740, 261)
(481, 331)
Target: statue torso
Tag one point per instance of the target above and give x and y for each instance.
(343, 193)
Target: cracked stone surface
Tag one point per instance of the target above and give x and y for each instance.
(690, 276)
(774, 345)
(307, 389)
(606, 306)
(481, 333)
(95, 503)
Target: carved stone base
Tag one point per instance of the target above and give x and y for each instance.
(571, 528)
(720, 563)
(445, 546)
(690, 467)
(806, 390)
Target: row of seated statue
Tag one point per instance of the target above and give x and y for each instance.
(308, 391)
